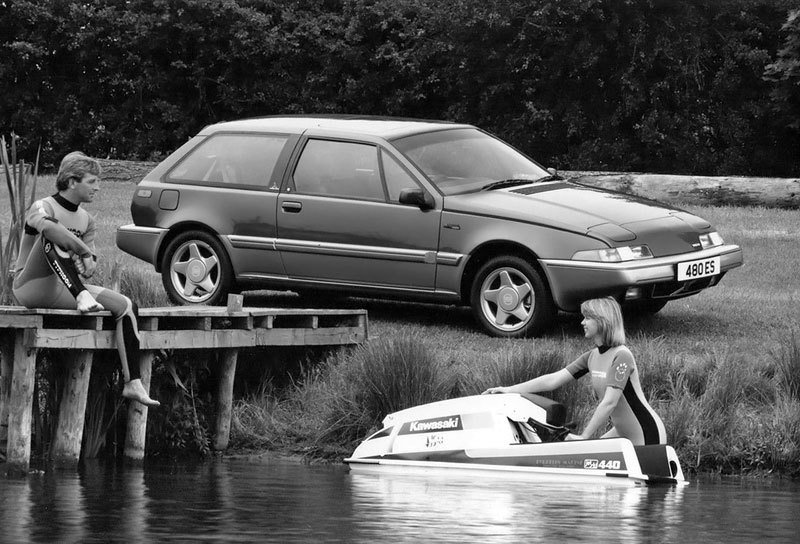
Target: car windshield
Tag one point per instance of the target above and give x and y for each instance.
(466, 160)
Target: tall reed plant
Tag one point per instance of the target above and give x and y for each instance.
(787, 367)
(20, 178)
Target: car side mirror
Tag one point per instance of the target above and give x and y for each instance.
(417, 197)
(553, 172)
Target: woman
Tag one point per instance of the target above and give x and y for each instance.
(615, 379)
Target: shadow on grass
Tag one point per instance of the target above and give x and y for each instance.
(670, 322)
(401, 313)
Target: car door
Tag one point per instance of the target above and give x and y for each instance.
(340, 220)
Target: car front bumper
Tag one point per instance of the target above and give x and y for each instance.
(141, 242)
(572, 282)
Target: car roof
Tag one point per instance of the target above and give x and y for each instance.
(383, 127)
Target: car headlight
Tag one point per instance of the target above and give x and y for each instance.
(711, 239)
(614, 254)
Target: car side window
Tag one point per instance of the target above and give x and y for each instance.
(397, 178)
(343, 169)
(231, 159)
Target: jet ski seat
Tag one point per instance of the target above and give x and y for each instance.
(556, 412)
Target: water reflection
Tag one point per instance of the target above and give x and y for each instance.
(438, 507)
(277, 501)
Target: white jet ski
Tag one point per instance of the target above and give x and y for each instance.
(517, 434)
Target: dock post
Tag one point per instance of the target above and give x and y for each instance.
(137, 413)
(21, 406)
(225, 398)
(6, 356)
(72, 412)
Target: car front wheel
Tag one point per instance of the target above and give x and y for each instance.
(510, 299)
(196, 270)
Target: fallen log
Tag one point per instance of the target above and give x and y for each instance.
(133, 171)
(700, 190)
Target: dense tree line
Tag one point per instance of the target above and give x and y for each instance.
(676, 86)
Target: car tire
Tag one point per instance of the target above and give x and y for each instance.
(510, 299)
(196, 269)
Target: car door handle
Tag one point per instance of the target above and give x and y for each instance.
(290, 206)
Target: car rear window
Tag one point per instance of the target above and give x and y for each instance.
(246, 160)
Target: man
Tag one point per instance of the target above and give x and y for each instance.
(57, 254)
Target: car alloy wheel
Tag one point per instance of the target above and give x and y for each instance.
(510, 299)
(196, 269)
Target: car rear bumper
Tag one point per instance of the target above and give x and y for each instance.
(141, 242)
(572, 282)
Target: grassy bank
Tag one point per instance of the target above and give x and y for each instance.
(722, 368)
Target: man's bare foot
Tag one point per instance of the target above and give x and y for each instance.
(87, 303)
(134, 390)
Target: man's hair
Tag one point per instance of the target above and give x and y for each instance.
(607, 313)
(75, 165)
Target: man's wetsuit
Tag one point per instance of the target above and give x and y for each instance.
(633, 418)
(45, 279)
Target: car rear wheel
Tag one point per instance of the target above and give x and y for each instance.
(196, 270)
(510, 299)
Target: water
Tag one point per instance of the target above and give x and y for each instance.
(257, 500)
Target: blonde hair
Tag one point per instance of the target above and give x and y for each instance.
(608, 314)
(75, 165)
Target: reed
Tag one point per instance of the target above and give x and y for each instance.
(20, 178)
(787, 367)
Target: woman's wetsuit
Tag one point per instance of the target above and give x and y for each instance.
(633, 417)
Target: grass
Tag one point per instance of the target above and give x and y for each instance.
(722, 368)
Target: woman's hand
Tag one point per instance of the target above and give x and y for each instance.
(571, 436)
(493, 390)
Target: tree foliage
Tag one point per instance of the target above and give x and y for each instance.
(645, 85)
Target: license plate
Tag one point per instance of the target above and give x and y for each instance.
(701, 268)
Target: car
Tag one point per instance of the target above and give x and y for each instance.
(408, 209)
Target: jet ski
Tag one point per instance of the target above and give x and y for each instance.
(512, 434)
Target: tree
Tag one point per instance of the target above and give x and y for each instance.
(785, 73)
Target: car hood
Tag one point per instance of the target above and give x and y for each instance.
(616, 218)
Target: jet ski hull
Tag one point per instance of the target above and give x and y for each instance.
(496, 434)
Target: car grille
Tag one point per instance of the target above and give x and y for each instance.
(677, 289)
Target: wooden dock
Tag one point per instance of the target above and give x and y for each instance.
(24, 331)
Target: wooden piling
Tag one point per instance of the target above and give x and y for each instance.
(137, 413)
(66, 449)
(21, 406)
(227, 372)
(6, 356)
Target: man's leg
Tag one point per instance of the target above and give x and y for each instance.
(64, 268)
(51, 280)
(127, 335)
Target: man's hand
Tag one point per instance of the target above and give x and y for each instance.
(85, 265)
(89, 266)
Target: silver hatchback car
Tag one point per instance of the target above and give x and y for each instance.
(410, 209)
